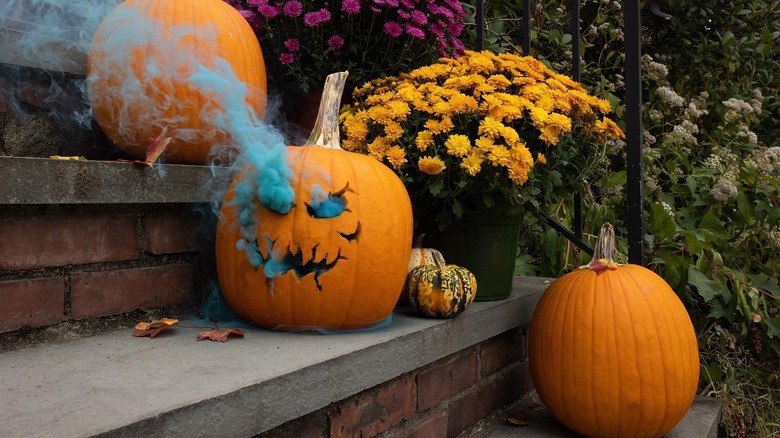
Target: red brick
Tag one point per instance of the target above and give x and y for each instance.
(434, 426)
(501, 350)
(42, 242)
(443, 380)
(33, 303)
(310, 426)
(169, 233)
(480, 402)
(374, 411)
(124, 290)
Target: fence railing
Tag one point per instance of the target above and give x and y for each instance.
(634, 216)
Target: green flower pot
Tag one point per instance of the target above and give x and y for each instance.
(486, 245)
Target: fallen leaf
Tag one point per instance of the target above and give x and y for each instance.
(67, 157)
(157, 146)
(220, 335)
(519, 418)
(151, 329)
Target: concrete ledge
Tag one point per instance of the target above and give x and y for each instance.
(45, 181)
(174, 386)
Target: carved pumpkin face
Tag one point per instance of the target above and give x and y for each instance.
(336, 260)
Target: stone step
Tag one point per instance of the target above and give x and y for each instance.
(701, 421)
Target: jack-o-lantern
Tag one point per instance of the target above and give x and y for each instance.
(338, 258)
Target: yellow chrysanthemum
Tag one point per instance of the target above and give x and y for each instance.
(472, 164)
(499, 156)
(485, 144)
(499, 81)
(439, 126)
(378, 147)
(355, 128)
(442, 109)
(461, 103)
(431, 165)
(609, 128)
(510, 135)
(396, 156)
(458, 145)
(490, 127)
(553, 127)
(541, 159)
(521, 164)
(393, 130)
(380, 114)
(399, 110)
(538, 116)
(481, 62)
(423, 140)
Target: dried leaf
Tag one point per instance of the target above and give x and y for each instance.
(151, 329)
(157, 146)
(220, 335)
(519, 418)
(67, 158)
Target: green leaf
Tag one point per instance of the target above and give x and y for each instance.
(707, 288)
(712, 373)
(457, 209)
(435, 187)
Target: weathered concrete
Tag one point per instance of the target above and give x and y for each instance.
(701, 421)
(174, 386)
(26, 180)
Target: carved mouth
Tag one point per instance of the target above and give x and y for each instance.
(288, 261)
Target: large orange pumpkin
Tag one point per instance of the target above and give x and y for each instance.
(309, 269)
(139, 67)
(612, 350)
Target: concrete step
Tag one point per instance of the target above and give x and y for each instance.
(701, 421)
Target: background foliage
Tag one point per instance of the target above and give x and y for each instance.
(712, 174)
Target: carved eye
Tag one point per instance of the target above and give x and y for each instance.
(327, 205)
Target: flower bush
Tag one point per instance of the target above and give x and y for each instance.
(305, 40)
(483, 131)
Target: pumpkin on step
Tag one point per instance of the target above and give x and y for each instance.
(440, 290)
(612, 349)
(336, 258)
(139, 72)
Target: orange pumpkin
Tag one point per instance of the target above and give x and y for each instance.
(343, 270)
(612, 350)
(139, 67)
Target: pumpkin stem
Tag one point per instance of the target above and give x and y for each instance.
(438, 260)
(604, 251)
(325, 132)
(418, 241)
(605, 243)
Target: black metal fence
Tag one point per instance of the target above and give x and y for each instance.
(633, 116)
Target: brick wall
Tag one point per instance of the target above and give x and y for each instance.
(73, 262)
(444, 399)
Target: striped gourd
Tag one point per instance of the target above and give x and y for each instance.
(441, 290)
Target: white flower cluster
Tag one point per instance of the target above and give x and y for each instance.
(725, 189)
(654, 70)
(773, 235)
(683, 133)
(648, 139)
(745, 132)
(697, 105)
(738, 108)
(670, 96)
(765, 160)
(668, 209)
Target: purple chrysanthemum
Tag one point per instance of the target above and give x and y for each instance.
(286, 58)
(419, 17)
(351, 6)
(393, 29)
(415, 32)
(404, 14)
(257, 3)
(311, 19)
(293, 8)
(409, 4)
(268, 11)
(251, 17)
(335, 42)
(292, 44)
